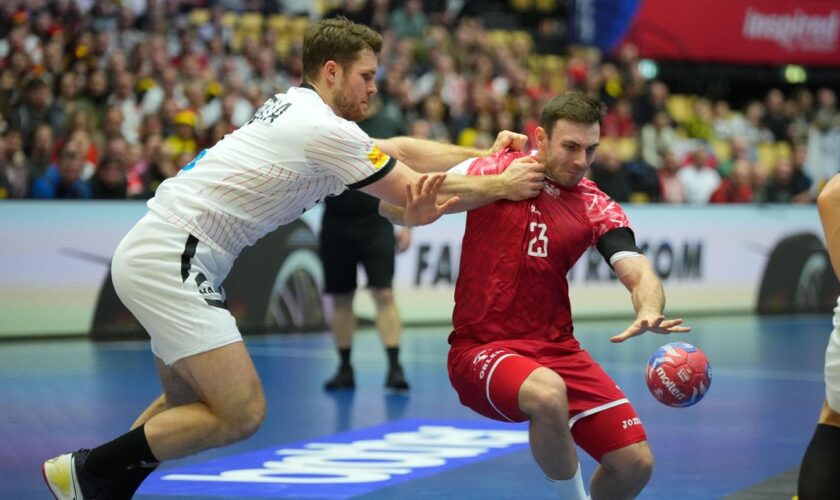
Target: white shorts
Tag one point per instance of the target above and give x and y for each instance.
(171, 282)
(832, 364)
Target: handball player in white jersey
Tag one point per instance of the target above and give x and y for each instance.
(298, 148)
(819, 475)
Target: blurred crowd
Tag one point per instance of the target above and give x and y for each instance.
(103, 99)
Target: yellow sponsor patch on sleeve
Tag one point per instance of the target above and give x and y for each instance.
(378, 158)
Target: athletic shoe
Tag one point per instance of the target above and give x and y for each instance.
(67, 480)
(343, 379)
(396, 379)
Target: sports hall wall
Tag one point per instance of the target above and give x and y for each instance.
(54, 268)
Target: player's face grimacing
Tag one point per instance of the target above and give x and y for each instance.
(569, 151)
(357, 85)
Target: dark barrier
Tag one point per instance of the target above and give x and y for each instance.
(798, 278)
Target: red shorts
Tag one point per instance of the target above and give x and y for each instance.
(487, 378)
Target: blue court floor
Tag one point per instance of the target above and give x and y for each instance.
(753, 424)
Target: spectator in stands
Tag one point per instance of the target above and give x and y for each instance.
(166, 87)
(699, 180)
(671, 187)
(409, 20)
(435, 113)
(14, 161)
(754, 130)
(776, 119)
(95, 97)
(109, 181)
(607, 172)
(618, 121)
(700, 124)
(657, 136)
(41, 148)
(162, 167)
(654, 100)
(35, 109)
(184, 139)
(125, 99)
(64, 179)
(738, 149)
(14, 177)
(726, 123)
(737, 187)
(786, 185)
(802, 114)
(823, 156)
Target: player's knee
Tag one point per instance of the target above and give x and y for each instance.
(382, 296)
(634, 469)
(543, 396)
(246, 420)
(249, 421)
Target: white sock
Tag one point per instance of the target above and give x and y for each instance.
(570, 489)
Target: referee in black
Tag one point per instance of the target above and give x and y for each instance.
(352, 233)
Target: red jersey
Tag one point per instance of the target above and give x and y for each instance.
(515, 257)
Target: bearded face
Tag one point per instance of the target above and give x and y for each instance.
(355, 86)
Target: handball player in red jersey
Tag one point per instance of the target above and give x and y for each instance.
(513, 353)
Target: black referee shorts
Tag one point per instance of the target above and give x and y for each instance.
(347, 241)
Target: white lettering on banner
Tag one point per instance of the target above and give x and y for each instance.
(796, 31)
(367, 461)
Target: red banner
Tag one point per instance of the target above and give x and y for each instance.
(805, 32)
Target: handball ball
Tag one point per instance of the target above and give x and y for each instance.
(678, 374)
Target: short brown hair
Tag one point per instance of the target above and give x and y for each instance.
(574, 106)
(337, 39)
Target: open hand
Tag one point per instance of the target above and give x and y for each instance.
(651, 322)
(421, 205)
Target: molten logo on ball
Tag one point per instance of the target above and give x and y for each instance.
(678, 374)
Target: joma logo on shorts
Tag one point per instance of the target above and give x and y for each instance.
(630, 422)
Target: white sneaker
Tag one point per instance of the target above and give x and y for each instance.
(60, 476)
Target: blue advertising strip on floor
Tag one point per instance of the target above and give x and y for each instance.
(346, 464)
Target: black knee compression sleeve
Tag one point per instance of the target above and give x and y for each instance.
(819, 475)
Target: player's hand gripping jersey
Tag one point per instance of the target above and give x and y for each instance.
(292, 154)
(515, 256)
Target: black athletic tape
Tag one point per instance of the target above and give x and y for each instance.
(620, 239)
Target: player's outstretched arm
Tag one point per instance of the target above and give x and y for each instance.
(427, 156)
(523, 179)
(828, 204)
(648, 297)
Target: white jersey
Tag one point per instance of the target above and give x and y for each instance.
(292, 154)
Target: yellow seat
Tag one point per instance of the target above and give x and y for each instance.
(627, 148)
(250, 23)
(783, 150)
(766, 156)
(199, 17)
(298, 26)
(521, 5)
(229, 19)
(722, 149)
(680, 107)
(278, 23)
